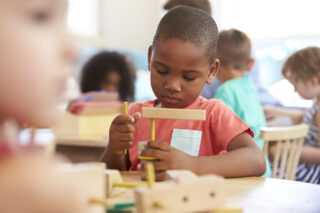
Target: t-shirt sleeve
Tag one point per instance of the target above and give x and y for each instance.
(225, 126)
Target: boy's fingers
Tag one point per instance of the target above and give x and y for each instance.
(160, 165)
(121, 146)
(153, 153)
(125, 137)
(159, 145)
(122, 119)
(125, 128)
(136, 116)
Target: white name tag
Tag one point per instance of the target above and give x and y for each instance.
(187, 141)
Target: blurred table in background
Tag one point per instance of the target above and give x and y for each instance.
(75, 149)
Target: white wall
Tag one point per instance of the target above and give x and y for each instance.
(130, 24)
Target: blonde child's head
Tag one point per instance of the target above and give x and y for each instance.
(302, 69)
(182, 57)
(234, 52)
(35, 54)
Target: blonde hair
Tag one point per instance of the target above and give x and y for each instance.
(303, 65)
(234, 49)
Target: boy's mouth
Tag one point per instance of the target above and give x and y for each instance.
(170, 99)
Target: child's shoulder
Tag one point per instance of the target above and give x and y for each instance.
(214, 105)
(137, 106)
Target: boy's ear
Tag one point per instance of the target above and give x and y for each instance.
(251, 64)
(149, 57)
(214, 67)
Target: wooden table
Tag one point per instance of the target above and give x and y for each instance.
(265, 195)
(81, 150)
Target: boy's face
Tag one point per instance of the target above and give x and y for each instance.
(35, 55)
(179, 71)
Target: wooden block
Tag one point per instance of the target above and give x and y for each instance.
(113, 176)
(84, 127)
(178, 114)
(201, 194)
(181, 175)
(90, 179)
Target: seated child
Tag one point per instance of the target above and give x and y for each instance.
(34, 55)
(111, 72)
(302, 69)
(181, 61)
(237, 90)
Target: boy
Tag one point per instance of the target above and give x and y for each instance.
(237, 90)
(181, 61)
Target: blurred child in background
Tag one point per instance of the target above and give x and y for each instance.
(302, 69)
(35, 56)
(110, 72)
(237, 90)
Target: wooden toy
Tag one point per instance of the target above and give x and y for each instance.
(115, 184)
(168, 113)
(91, 124)
(125, 112)
(90, 179)
(198, 194)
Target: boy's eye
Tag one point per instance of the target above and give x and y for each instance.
(161, 72)
(188, 78)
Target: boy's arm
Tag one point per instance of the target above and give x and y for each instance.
(244, 158)
(120, 139)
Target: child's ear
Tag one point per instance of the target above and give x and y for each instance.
(214, 67)
(149, 57)
(251, 64)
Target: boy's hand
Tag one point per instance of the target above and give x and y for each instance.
(169, 158)
(121, 132)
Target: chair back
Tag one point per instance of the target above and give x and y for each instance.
(288, 142)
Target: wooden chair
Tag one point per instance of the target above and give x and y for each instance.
(287, 143)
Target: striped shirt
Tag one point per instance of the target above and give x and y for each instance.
(308, 172)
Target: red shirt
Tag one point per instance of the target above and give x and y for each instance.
(219, 128)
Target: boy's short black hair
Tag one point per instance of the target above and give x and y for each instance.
(95, 70)
(200, 4)
(189, 25)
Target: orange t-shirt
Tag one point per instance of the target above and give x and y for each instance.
(219, 128)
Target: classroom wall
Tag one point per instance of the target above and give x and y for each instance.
(128, 24)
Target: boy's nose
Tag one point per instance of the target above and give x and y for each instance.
(173, 85)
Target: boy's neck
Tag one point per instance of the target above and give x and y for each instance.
(229, 74)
